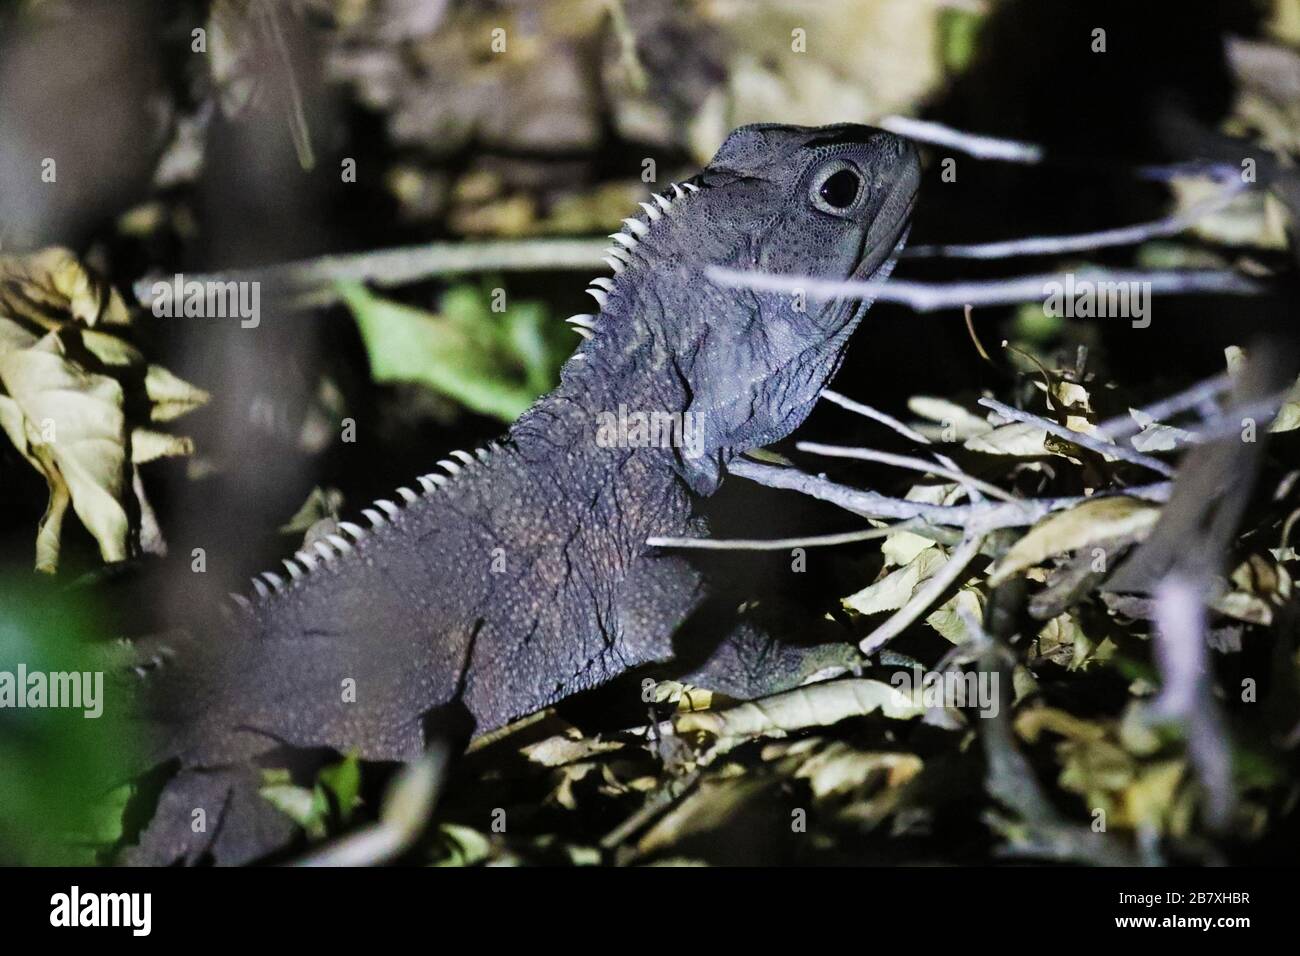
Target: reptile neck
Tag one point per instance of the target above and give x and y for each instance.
(585, 435)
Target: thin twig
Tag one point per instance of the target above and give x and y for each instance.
(975, 518)
(998, 148)
(784, 544)
(929, 592)
(905, 461)
(1103, 239)
(1261, 413)
(972, 144)
(866, 411)
(906, 431)
(969, 314)
(316, 279)
(931, 296)
(1124, 425)
(1187, 692)
(1080, 439)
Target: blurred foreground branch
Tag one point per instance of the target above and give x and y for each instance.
(314, 282)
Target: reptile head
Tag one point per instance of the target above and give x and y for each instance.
(830, 202)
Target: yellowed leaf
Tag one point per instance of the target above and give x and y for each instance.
(1099, 519)
(896, 588)
(815, 705)
(1018, 439)
(150, 445)
(76, 416)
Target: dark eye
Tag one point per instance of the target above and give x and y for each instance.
(840, 189)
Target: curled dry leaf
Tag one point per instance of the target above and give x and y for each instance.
(835, 767)
(1116, 519)
(896, 588)
(1133, 790)
(816, 705)
(953, 423)
(64, 385)
(1018, 439)
(51, 286)
(566, 748)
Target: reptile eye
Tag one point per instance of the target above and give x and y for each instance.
(840, 189)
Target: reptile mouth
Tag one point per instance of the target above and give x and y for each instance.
(888, 230)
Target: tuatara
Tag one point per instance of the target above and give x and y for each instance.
(520, 574)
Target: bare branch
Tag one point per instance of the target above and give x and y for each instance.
(314, 280)
(889, 421)
(1187, 693)
(986, 516)
(1015, 151)
(1106, 238)
(972, 144)
(904, 461)
(1195, 397)
(906, 431)
(784, 544)
(979, 518)
(931, 296)
(1080, 439)
(926, 595)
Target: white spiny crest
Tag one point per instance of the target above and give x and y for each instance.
(637, 227)
(615, 264)
(450, 467)
(652, 212)
(584, 321)
(332, 546)
(603, 282)
(602, 298)
(623, 239)
(356, 531)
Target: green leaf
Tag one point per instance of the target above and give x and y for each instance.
(494, 363)
(341, 783)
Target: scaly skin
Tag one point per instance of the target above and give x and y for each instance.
(525, 577)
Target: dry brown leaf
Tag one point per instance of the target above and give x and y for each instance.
(1111, 519)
